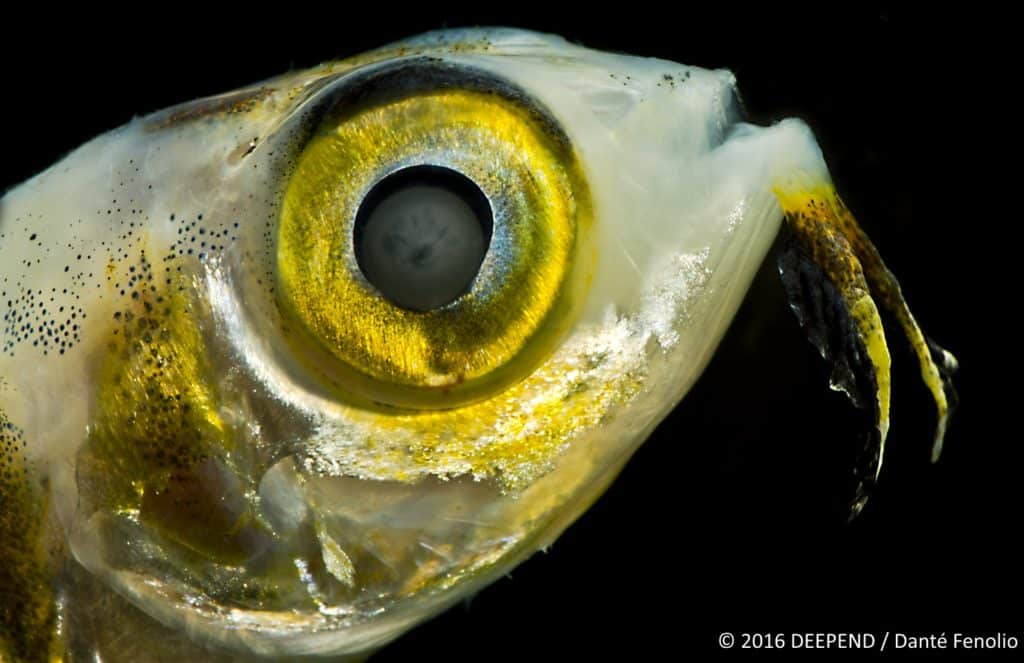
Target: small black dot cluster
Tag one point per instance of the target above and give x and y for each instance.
(13, 448)
(202, 238)
(137, 280)
(49, 320)
(674, 79)
(27, 612)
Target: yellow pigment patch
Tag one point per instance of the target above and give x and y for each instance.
(28, 617)
(157, 448)
(516, 436)
(513, 438)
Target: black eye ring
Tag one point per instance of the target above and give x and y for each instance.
(421, 234)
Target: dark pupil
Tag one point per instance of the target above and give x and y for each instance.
(421, 234)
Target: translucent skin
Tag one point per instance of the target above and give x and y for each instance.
(382, 535)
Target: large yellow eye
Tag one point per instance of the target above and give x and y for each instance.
(430, 246)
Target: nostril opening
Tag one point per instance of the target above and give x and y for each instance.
(729, 112)
(733, 110)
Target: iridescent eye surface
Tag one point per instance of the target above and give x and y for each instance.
(431, 245)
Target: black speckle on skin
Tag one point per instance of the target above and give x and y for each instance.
(191, 233)
(27, 612)
(41, 319)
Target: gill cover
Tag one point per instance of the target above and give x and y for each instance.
(287, 371)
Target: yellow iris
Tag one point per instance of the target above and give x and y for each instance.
(521, 300)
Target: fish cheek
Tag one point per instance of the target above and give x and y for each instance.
(157, 447)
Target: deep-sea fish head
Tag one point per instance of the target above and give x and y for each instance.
(288, 370)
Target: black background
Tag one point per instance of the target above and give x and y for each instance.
(730, 517)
